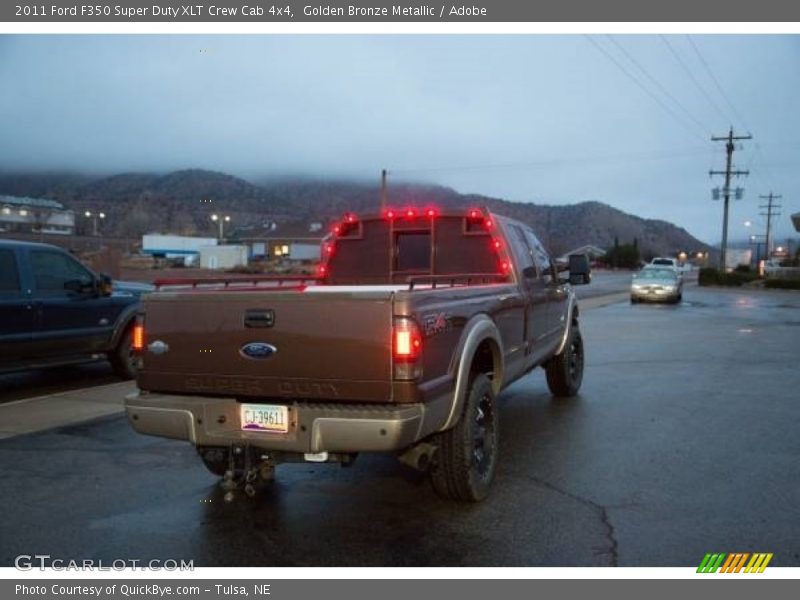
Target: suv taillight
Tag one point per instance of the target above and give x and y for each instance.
(406, 349)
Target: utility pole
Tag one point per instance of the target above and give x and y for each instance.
(383, 190)
(770, 206)
(729, 148)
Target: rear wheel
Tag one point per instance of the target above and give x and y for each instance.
(122, 358)
(467, 453)
(565, 370)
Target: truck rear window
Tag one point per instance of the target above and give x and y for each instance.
(413, 251)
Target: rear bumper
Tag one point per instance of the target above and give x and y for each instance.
(313, 427)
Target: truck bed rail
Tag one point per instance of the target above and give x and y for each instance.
(239, 283)
(456, 279)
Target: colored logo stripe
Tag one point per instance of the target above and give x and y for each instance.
(734, 562)
(758, 563)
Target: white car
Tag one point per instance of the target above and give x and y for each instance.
(660, 261)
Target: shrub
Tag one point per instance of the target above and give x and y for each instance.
(782, 284)
(708, 276)
(711, 276)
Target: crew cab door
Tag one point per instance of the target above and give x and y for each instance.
(557, 294)
(16, 310)
(535, 287)
(72, 317)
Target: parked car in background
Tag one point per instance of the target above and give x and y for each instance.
(54, 311)
(657, 283)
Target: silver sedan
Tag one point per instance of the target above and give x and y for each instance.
(660, 284)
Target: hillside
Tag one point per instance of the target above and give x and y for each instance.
(182, 201)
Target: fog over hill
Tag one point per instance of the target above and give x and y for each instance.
(182, 202)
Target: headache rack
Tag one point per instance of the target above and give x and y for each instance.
(456, 279)
(240, 283)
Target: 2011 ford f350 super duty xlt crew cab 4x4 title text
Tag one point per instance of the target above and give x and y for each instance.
(415, 322)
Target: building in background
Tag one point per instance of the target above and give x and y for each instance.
(223, 257)
(35, 215)
(285, 241)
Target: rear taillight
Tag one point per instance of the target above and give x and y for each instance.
(407, 340)
(406, 349)
(137, 344)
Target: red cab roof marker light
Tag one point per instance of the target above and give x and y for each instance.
(431, 212)
(411, 213)
(389, 214)
(474, 213)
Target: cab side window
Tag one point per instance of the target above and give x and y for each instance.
(525, 254)
(53, 270)
(9, 275)
(540, 255)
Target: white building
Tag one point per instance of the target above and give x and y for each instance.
(223, 257)
(27, 215)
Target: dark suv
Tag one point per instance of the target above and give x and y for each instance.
(54, 311)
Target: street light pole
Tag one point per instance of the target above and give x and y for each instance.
(220, 219)
(94, 216)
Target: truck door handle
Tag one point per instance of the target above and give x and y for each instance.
(259, 317)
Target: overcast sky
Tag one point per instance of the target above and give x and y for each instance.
(532, 118)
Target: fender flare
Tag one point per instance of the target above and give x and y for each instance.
(477, 330)
(572, 320)
(124, 321)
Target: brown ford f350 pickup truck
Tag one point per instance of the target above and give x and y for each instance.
(415, 322)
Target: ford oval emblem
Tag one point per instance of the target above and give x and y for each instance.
(257, 350)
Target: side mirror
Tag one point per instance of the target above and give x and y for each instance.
(104, 285)
(579, 269)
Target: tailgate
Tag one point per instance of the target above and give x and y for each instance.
(333, 346)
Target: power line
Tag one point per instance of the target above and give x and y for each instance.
(694, 80)
(655, 82)
(593, 159)
(642, 87)
(717, 84)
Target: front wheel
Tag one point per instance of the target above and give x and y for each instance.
(466, 459)
(565, 370)
(123, 358)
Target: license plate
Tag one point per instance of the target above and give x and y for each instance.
(265, 417)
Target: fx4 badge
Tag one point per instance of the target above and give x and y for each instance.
(435, 323)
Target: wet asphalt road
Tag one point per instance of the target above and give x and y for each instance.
(684, 440)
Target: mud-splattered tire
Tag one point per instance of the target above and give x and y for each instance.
(466, 458)
(122, 358)
(565, 370)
